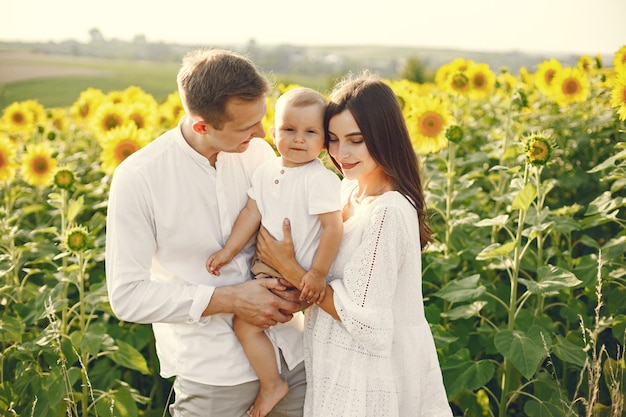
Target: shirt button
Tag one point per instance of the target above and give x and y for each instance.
(276, 181)
(282, 171)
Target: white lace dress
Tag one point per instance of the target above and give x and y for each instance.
(380, 360)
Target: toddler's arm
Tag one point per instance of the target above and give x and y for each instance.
(314, 281)
(246, 226)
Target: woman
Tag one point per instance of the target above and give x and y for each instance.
(368, 347)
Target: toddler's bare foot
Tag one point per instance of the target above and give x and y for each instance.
(267, 399)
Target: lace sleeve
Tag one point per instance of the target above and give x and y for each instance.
(364, 297)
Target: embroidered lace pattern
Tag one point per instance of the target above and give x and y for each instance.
(380, 359)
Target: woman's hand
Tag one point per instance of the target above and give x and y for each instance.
(280, 255)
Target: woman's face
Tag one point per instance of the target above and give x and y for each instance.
(347, 147)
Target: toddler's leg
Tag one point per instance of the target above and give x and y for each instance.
(260, 352)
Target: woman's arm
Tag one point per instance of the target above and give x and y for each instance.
(280, 255)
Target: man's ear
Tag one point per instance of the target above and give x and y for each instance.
(201, 127)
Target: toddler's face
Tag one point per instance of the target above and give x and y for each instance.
(299, 134)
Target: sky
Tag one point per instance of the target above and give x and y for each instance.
(544, 26)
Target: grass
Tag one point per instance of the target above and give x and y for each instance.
(53, 90)
(156, 78)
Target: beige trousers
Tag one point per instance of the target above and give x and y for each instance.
(193, 399)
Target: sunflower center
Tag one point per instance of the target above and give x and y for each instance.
(479, 80)
(18, 117)
(624, 94)
(84, 110)
(3, 160)
(549, 75)
(570, 86)
(40, 165)
(76, 240)
(124, 149)
(539, 150)
(111, 121)
(139, 121)
(459, 82)
(430, 123)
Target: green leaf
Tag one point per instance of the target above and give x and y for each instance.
(465, 289)
(610, 162)
(495, 250)
(524, 198)
(542, 409)
(128, 356)
(118, 403)
(11, 329)
(465, 311)
(461, 373)
(75, 207)
(91, 341)
(603, 204)
(521, 350)
(495, 221)
(619, 327)
(551, 279)
(534, 231)
(569, 352)
(614, 248)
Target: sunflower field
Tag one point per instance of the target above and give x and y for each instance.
(525, 284)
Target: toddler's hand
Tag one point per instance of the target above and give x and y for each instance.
(313, 287)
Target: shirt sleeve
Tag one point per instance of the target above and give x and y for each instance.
(363, 298)
(324, 192)
(130, 244)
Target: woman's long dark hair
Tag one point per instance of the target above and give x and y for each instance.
(377, 112)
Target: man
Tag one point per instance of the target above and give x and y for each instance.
(173, 203)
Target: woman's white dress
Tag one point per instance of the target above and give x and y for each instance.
(380, 360)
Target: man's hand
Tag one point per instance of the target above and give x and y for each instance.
(263, 302)
(292, 294)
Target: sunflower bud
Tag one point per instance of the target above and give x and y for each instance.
(455, 133)
(64, 178)
(77, 239)
(538, 149)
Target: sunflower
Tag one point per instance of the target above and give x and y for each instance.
(445, 71)
(427, 122)
(570, 85)
(88, 100)
(142, 114)
(506, 82)
(586, 63)
(116, 97)
(459, 83)
(18, 119)
(134, 94)
(546, 71)
(57, 117)
(171, 110)
(108, 116)
(618, 94)
(119, 144)
(38, 165)
(619, 59)
(537, 148)
(482, 80)
(8, 154)
(37, 110)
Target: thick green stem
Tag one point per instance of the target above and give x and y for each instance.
(512, 307)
